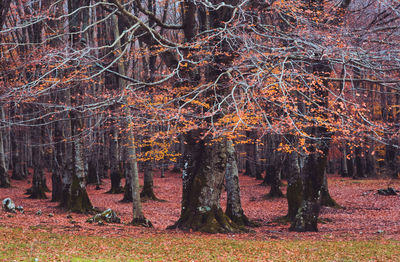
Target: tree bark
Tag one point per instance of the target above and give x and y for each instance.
(312, 176)
(203, 175)
(234, 208)
(4, 178)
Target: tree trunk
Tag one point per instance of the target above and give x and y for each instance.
(312, 176)
(234, 208)
(4, 178)
(133, 175)
(75, 197)
(148, 189)
(326, 199)
(251, 156)
(115, 172)
(202, 178)
(274, 163)
(38, 182)
(344, 172)
(295, 184)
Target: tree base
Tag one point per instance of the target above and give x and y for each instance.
(149, 195)
(327, 201)
(307, 218)
(39, 194)
(274, 193)
(243, 220)
(212, 221)
(143, 222)
(116, 190)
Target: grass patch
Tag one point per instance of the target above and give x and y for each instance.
(31, 245)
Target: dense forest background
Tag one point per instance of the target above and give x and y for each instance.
(94, 90)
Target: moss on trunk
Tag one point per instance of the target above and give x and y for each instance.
(203, 175)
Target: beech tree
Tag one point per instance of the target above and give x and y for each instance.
(209, 72)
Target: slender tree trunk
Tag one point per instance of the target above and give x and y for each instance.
(133, 175)
(295, 184)
(148, 188)
(344, 172)
(4, 178)
(38, 182)
(234, 208)
(251, 156)
(326, 199)
(115, 172)
(274, 163)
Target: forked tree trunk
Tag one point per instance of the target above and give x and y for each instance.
(203, 175)
(234, 208)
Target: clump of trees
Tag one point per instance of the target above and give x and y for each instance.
(91, 87)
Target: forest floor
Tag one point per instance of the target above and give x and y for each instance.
(364, 216)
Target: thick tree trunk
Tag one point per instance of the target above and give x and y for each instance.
(312, 176)
(75, 197)
(234, 208)
(202, 178)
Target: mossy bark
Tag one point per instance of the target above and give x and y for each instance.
(75, 197)
(202, 178)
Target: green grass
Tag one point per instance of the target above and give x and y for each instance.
(33, 245)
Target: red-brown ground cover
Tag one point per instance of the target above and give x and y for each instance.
(364, 215)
